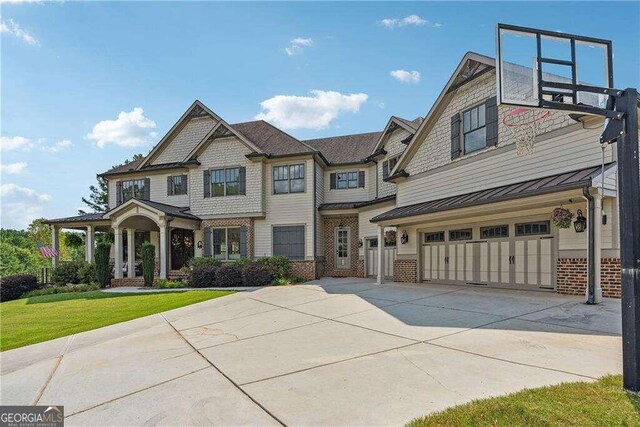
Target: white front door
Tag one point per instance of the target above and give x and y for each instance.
(343, 247)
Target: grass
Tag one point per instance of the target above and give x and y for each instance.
(32, 320)
(600, 403)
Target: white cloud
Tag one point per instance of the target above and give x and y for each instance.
(413, 20)
(297, 45)
(309, 112)
(11, 190)
(406, 76)
(15, 142)
(130, 129)
(13, 168)
(58, 146)
(18, 215)
(11, 27)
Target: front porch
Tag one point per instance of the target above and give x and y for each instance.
(172, 230)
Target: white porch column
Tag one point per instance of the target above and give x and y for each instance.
(597, 246)
(55, 245)
(131, 253)
(117, 249)
(380, 255)
(89, 242)
(164, 249)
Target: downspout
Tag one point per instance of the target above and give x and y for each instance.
(591, 247)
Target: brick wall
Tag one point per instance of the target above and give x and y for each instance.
(234, 222)
(405, 270)
(572, 276)
(329, 225)
(304, 269)
(360, 271)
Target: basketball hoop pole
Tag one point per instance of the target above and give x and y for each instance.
(628, 160)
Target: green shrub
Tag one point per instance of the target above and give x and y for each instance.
(228, 275)
(148, 262)
(13, 287)
(185, 271)
(203, 276)
(243, 262)
(66, 273)
(298, 280)
(87, 273)
(170, 284)
(102, 267)
(200, 261)
(280, 282)
(257, 274)
(61, 290)
(281, 265)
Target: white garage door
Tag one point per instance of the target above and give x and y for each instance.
(372, 259)
(524, 261)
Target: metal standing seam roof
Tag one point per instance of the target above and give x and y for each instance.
(550, 184)
(176, 211)
(355, 205)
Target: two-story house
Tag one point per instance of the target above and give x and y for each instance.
(442, 199)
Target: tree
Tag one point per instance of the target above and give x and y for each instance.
(98, 199)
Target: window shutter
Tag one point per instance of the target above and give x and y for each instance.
(242, 181)
(118, 193)
(491, 121)
(243, 242)
(207, 241)
(206, 182)
(361, 179)
(183, 185)
(147, 189)
(332, 181)
(169, 185)
(455, 136)
(385, 169)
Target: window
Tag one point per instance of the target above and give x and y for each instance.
(289, 241)
(227, 182)
(437, 236)
(474, 130)
(226, 243)
(288, 179)
(533, 228)
(132, 189)
(345, 180)
(463, 234)
(388, 165)
(176, 185)
(494, 231)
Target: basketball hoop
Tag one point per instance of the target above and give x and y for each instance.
(524, 125)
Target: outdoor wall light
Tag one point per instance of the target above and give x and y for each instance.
(405, 238)
(200, 244)
(360, 243)
(580, 224)
(604, 218)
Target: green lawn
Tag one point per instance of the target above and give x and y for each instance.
(36, 319)
(601, 403)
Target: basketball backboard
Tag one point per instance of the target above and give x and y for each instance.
(546, 69)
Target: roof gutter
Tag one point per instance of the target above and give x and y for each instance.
(591, 246)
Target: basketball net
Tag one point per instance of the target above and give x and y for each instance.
(524, 125)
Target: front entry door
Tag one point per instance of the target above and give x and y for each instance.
(181, 248)
(343, 247)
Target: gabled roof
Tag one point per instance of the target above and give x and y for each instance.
(394, 123)
(533, 187)
(197, 109)
(270, 139)
(346, 149)
(175, 211)
(472, 66)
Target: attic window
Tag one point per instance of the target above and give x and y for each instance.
(473, 129)
(388, 165)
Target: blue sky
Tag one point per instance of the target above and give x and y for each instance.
(87, 85)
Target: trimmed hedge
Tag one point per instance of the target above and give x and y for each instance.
(87, 273)
(201, 261)
(203, 276)
(228, 275)
(258, 274)
(60, 290)
(13, 287)
(281, 266)
(103, 269)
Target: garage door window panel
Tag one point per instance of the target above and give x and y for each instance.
(494, 232)
(462, 234)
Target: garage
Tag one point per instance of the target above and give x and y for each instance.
(512, 255)
(372, 258)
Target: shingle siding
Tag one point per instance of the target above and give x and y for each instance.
(185, 140)
(394, 147)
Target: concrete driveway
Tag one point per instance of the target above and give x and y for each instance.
(330, 352)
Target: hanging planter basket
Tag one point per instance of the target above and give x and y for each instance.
(561, 217)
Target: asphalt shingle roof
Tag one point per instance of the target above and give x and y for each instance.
(346, 148)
